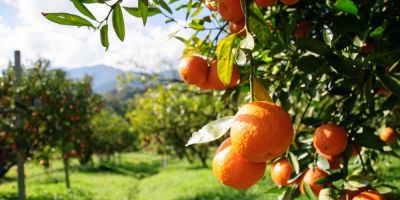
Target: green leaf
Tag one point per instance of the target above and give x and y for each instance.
(385, 189)
(163, 5)
(347, 6)
(327, 194)
(259, 29)
(288, 194)
(274, 190)
(197, 11)
(136, 13)
(313, 45)
(104, 36)
(328, 35)
(295, 162)
(330, 178)
(310, 64)
(143, 6)
(211, 131)
(323, 163)
(378, 32)
(67, 19)
(93, 1)
(390, 82)
(82, 9)
(310, 194)
(359, 181)
(189, 8)
(118, 22)
(225, 58)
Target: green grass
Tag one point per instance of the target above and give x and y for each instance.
(136, 176)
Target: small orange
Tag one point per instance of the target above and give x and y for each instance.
(290, 2)
(234, 171)
(310, 177)
(330, 139)
(230, 10)
(261, 131)
(369, 195)
(302, 29)
(214, 80)
(281, 172)
(237, 27)
(388, 135)
(265, 3)
(211, 4)
(193, 69)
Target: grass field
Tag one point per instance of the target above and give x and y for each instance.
(135, 176)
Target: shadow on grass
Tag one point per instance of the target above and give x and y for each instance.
(74, 194)
(138, 170)
(222, 195)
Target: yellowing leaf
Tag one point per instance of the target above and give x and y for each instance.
(225, 59)
(260, 92)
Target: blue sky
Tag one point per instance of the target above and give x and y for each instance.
(22, 27)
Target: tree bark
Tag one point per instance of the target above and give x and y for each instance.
(21, 176)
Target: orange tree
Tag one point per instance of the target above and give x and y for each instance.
(332, 65)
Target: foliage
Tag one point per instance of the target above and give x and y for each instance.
(168, 115)
(344, 69)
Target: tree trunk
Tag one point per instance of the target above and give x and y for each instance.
(21, 176)
(66, 170)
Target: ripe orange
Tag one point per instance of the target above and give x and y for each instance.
(214, 80)
(334, 161)
(388, 135)
(237, 27)
(302, 29)
(330, 139)
(234, 171)
(230, 10)
(310, 177)
(211, 4)
(281, 172)
(290, 2)
(369, 195)
(261, 131)
(265, 3)
(193, 69)
(349, 194)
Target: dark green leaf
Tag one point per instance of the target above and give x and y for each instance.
(259, 29)
(313, 45)
(143, 6)
(378, 32)
(136, 13)
(359, 181)
(118, 22)
(225, 59)
(163, 5)
(347, 6)
(330, 178)
(104, 36)
(82, 9)
(310, 121)
(309, 192)
(67, 19)
(390, 102)
(370, 140)
(390, 82)
(310, 64)
(189, 8)
(342, 66)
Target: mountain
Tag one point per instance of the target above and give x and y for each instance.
(104, 77)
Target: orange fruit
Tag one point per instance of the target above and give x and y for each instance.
(237, 27)
(290, 2)
(214, 80)
(310, 177)
(261, 131)
(281, 172)
(369, 195)
(224, 144)
(234, 171)
(230, 10)
(388, 135)
(302, 29)
(193, 69)
(334, 161)
(330, 139)
(211, 4)
(265, 3)
(349, 194)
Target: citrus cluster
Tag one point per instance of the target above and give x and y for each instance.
(198, 71)
(261, 131)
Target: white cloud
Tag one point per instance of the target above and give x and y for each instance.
(75, 47)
